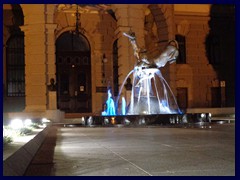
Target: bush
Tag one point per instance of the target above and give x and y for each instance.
(35, 126)
(25, 131)
(7, 140)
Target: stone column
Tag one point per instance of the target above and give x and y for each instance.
(50, 64)
(50, 43)
(168, 10)
(121, 12)
(35, 57)
(129, 17)
(123, 54)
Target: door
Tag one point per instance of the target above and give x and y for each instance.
(74, 79)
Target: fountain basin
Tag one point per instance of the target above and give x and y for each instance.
(175, 120)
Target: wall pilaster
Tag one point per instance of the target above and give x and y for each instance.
(50, 55)
(129, 17)
(35, 57)
(50, 52)
(123, 54)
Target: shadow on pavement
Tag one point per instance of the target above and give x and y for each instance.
(42, 164)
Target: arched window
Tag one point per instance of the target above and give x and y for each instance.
(15, 66)
(182, 49)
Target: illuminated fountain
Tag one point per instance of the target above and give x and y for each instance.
(151, 93)
(110, 106)
(152, 100)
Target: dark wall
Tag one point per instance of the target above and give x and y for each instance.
(220, 46)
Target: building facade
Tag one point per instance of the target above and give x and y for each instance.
(63, 57)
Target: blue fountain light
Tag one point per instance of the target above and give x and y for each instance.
(123, 106)
(110, 109)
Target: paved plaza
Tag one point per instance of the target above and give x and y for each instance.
(144, 151)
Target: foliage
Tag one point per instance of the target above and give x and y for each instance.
(25, 131)
(35, 125)
(7, 140)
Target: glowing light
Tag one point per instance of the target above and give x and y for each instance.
(123, 106)
(16, 124)
(142, 121)
(145, 112)
(45, 120)
(83, 120)
(27, 122)
(7, 132)
(110, 105)
(113, 120)
(126, 121)
(90, 120)
(106, 121)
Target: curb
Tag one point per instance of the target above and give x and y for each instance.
(17, 163)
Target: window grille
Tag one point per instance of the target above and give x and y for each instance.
(15, 66)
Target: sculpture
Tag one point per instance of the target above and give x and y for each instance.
(151, 93)
(170, 53)
(52, 85)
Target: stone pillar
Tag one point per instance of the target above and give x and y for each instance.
(52, 97)
(129, 17)
(35, 57)
(50, 55)
(50, 44)
(50, 63)
(169, 14)
(123, 54)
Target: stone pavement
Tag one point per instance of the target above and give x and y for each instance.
(139, 151)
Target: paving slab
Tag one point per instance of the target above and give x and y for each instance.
(145, 151)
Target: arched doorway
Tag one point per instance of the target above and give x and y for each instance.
(73, 61)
